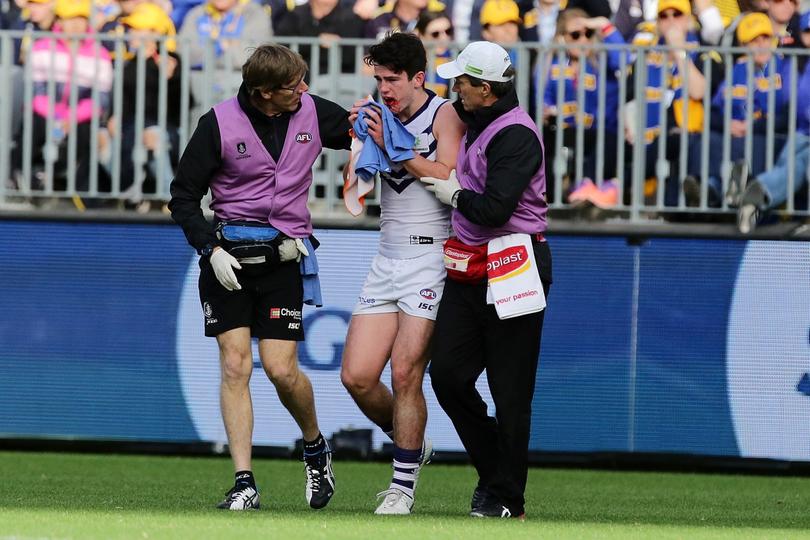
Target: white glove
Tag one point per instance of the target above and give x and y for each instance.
(288, 250)
(443, 189)
(301, 247)
(223, 264)
(291, 249)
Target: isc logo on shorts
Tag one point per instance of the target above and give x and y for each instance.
(294, 326)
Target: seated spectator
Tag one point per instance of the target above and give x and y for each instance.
(91, 66)
(631, 13)
(575, 28)
(113, 25)
(158, 151)
(668, 73)
(399, 15)
(328, 21)
(543, 18)
(784, 15)
(216, 39)
(234, 26)
(35, 15)
(436, 32)
(500, 23)
(756, 33)
(769, 189)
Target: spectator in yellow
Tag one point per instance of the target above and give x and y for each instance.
(231, 26)
(500, 23)
(159, 144)
(677, 83)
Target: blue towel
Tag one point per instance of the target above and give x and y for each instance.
(398, 144)
(309, 277)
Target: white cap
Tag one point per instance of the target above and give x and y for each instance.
(480, 59)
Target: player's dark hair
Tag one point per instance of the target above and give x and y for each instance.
(399, 52)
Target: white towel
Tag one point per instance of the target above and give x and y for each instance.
(514, 284)
(355, 188)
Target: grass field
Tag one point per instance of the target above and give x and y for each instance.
(109, 496)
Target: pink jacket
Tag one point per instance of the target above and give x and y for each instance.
(92, 65)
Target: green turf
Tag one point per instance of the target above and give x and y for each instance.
(100, 496)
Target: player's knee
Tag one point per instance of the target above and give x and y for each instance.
(284, 376)
(237, 366)
(356, 383)
(405, 377)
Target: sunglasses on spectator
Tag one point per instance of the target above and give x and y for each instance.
(446, 31)
(576, 34)
(671, 15)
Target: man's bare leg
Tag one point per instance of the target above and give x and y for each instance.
(369, 343)
(236, 364)
(280, 362)
(409, 359)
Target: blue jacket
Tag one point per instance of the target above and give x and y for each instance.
(591, 82)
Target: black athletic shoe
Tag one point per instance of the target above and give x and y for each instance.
(494, 509)
(480, 497)
(320, 479)
(241, 497)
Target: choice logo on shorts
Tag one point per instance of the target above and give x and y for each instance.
(428, 294)
(277, 313)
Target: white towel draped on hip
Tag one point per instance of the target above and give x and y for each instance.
(514, 284)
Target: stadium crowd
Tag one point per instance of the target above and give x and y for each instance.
(578, 92)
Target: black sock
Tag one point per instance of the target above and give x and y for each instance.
(245, 478)
(312, 448)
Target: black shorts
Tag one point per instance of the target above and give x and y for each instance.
(269, 302)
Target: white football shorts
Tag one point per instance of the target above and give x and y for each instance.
(413, 286)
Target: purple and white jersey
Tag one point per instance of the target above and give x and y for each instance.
(412, 221)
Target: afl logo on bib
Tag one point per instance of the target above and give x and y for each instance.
(303, 137)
